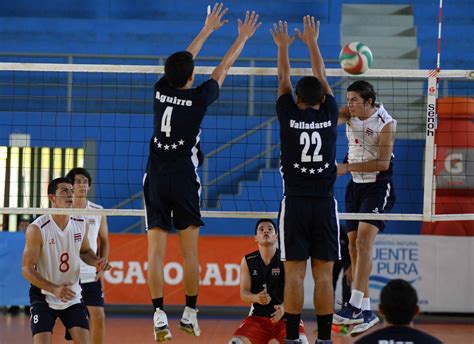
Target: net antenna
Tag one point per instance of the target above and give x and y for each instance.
(429, 198)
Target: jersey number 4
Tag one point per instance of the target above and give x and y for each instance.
(306, 141)
(166, 121)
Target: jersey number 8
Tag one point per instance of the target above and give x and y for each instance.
(166, 121)
(306, 141)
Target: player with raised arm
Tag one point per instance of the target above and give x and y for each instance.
(54, 248)
(262, 284)
(371, 134)
(91, 280)
(309, 225)
(171, 183)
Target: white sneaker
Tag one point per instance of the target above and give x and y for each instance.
(160, 326)
(189, 322)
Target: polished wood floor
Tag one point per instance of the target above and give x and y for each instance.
(137, 329)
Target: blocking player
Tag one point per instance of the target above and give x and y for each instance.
(54, 248)
(90, 279)
(262, 283)
(309, 225)
(171, 182)
(371, 134)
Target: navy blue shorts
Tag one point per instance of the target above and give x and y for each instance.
(309, 227)
(43, 317)
(377, 197)
(92, 294)
(172, 194)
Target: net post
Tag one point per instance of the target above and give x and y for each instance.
(430, 148)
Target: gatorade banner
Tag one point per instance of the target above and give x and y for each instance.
(219, 259)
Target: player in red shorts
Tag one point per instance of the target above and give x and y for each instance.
(262, 283)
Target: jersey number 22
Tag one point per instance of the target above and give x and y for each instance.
(306, 141)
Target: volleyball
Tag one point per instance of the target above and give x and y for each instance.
(355, 58)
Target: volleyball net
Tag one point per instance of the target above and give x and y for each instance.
(58, 116)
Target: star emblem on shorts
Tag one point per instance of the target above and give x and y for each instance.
(311, 171)
(181, 142)
(326, 165)
(159, 144)
(167, 147)
(155, 140)
(174, 145)
(320, 170)
(296, 165)
(303, 169)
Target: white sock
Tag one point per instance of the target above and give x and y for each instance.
(366, 304)
(356, 298)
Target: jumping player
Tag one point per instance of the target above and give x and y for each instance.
(309, 225)
(371, 134)
(262, 283)
(171, 182)
(54, 248)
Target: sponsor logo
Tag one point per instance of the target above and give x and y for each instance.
(52, 242)
(369, 132)
(77, 237)
(133, 272)
(430, 120)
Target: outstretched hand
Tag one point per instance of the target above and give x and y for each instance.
(280, 34)
(214, 18)
(249, 26)
(311, 30)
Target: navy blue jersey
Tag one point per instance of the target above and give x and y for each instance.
(271, 276)
(174, 146)
(398, 334)
(308, 147)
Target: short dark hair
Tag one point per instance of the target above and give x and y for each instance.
(179, 67)
(310, 90)
(398, 302)
(53, 185)
(79, 170)
(264, 220)
(364, 89)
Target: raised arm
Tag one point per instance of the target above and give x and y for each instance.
(344, 115)
(31, 255)
(213, 22)
(283, 41)
(310, 37)
(246, 30)
(246, 294)
(382, 163)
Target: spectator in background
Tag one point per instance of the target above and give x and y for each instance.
(398, 305)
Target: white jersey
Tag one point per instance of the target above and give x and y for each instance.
(88, 272)
(363, 137)
(59, 260)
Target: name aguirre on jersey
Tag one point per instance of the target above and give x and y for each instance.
(312, 125)
(163, 98)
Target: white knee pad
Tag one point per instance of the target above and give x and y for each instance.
(236, 340)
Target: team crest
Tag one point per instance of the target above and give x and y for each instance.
(369, 132)
(275, 271)
(77, 237)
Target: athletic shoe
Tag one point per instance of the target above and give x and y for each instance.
(370, 320)
(303, 339)
(292, 341)
(321, 341)
(189, 322)
(160, 326)
(348, 315)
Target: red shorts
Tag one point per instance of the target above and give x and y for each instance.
(259, 330)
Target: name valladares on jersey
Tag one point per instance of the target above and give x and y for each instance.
(311, 125)
(173, 100)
